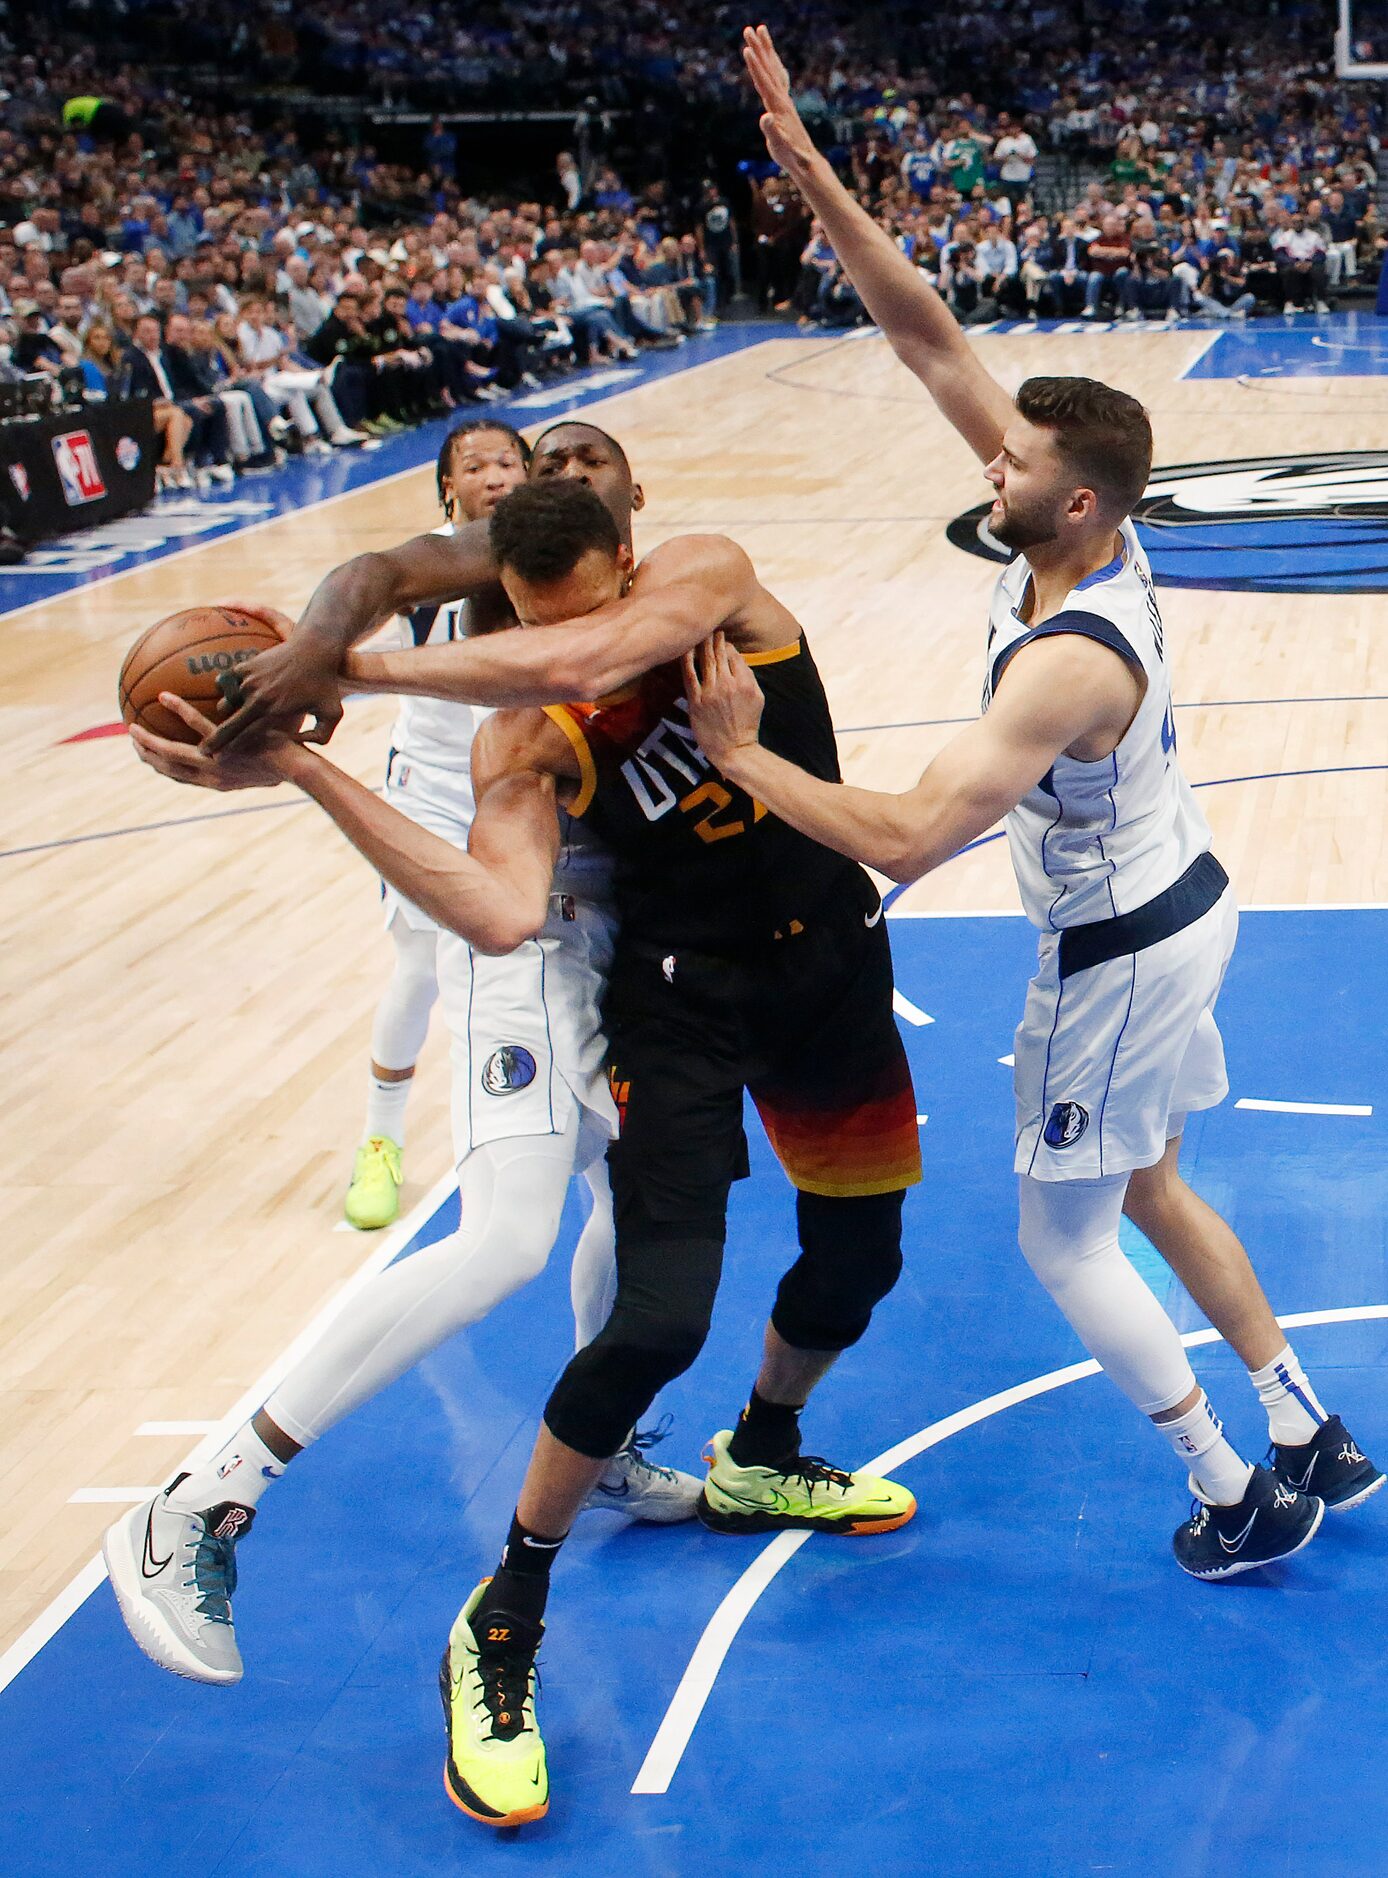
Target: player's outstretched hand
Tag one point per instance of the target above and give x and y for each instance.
(787, 139)
(725, 701)
(255, 764)
(283, 685)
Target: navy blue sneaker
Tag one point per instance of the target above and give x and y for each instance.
(1329, 1463)
(1271, 1521)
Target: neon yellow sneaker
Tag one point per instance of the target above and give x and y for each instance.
(373, 1199)
(809, 1495)
(495, 1771)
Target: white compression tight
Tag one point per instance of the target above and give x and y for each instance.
(1068, 1232)
(402, 1016)
(512, 1195)
(593, 1277)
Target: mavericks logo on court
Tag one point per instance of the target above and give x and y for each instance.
(1068, 1121)
(1275, 524)
(510, 1068)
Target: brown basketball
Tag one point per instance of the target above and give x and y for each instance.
(193, 654)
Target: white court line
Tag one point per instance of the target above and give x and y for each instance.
(913, 1013)
(1304, 1108)
(51, 1620)
(695, 1686)
(111, 1496)
(175, 1428)
(1208, 346)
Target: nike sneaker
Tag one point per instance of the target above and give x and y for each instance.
(1271, 1521)
(495, 1771)
(1329, 1464)
(805, 1494)
(638, 1488)
(173, 1574)
(373, 1199)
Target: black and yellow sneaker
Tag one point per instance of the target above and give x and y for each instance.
(495, 1771)
(1329, 1465)
(803, 1494)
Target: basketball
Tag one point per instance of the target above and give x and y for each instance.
(192, 654)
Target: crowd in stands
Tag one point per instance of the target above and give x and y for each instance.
(270, 293)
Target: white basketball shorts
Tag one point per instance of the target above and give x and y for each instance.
(1107, 1058)
(526, 1034)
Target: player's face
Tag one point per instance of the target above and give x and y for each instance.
(486, 465)
(1034, 495)
(585, 455)
(597, 579)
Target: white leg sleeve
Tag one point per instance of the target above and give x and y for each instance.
(512, 1195)
(1068, 1232)
(402, 1016)
(593, 1279)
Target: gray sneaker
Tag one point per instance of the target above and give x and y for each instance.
(638, 1489)
(173, 1574)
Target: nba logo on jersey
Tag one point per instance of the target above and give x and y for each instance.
(1068, 1121)
(508, 1069)
(76, 460)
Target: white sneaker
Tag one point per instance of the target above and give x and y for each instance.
(222, 473)
(173, 1574)
(203, 480)
(315, 446)
(345, 439)
(639, 1489)
(1172, 317)
(1321, 307)
(1288, 306)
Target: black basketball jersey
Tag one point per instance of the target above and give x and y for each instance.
(700, 863)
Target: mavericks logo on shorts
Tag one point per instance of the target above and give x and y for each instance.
(510, 1068)
(1068, 1121)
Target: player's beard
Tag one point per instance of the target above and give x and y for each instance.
(1028, 527)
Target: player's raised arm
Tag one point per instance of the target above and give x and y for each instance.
(598, 623)
(920, 328)
(304, 674)
(1057, 692)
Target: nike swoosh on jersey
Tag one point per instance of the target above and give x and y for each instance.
(147, 1557)
(1236, 1545)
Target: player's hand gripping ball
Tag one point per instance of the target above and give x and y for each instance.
(196, 655)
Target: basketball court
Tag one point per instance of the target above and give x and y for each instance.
(1006, 1684)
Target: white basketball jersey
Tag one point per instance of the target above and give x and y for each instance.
(1096, 839)
(432, 730)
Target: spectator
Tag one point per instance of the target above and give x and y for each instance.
(1015, 153)
(144, 375)
(100, 362)
(301, 392)
(1066, 259)
(1110, 258)
(1300, 253)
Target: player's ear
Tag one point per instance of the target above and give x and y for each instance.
(638, 497)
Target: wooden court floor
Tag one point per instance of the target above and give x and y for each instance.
(187, 988)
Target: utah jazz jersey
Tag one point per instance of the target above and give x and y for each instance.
(1095, 840)
(701, 864)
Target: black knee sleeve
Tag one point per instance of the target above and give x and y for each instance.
(850, 1257)
(667, 1279)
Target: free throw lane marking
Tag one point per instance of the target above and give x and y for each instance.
(1304, 1108)
(913, 1013)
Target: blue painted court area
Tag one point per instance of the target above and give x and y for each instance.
(1297, 345)
(1019, 1682)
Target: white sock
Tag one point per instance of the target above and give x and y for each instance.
(240, 1471)
(385, 1108)
(1294, 1413)
(1198, 1438)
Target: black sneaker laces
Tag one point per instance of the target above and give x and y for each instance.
(814, 1471)
(505, 1679)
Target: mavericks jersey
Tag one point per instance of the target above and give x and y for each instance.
(1093, 840)
(700, 863)
(434, 731)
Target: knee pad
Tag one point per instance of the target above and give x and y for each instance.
(653, 1334)
(849, 1260)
